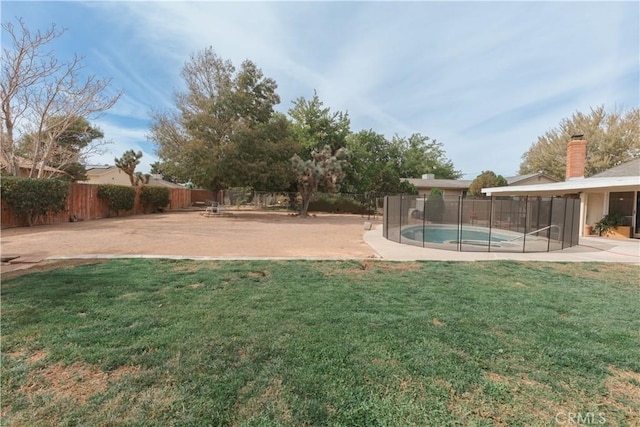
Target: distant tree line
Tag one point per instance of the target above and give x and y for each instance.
(224, 132)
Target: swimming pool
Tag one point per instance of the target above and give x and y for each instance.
(452, 234)
(477, 224)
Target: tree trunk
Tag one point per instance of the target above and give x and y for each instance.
(306, 198)
(8, 148)
(306, 191)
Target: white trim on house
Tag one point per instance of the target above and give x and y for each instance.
(622, 183)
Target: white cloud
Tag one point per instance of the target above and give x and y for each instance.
(484, 78)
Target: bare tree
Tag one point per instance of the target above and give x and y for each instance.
(42, 98)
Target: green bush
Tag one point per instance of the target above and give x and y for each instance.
(608, 223)
(337, 204)
(34, 197)
(434, 208)
(154, 197)
(118, 197)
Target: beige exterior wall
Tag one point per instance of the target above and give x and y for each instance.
(108, 176)
(445, 191)
(595, 208)
(452, 192)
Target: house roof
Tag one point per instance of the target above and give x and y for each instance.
(28, 164)
(515, 179)
(631, 168)
(161, 182)
(622, 183)
(88, 167)
(463, 184)
(624, 177)
(153, 180)
(440, 183)
(99, 169)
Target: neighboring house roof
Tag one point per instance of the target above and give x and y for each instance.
(99, 169)
(96, 171)
(440, 183)
(631, 168)
(512, 180)
(28, 164)
(155, 180)
(464, 184)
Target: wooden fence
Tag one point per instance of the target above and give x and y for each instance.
(84, 204)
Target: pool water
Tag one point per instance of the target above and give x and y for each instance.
(439, 234)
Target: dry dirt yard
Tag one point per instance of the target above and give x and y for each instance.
(190, 234)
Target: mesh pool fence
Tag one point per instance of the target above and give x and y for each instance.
(483, 224)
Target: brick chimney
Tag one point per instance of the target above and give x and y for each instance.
(576, 157)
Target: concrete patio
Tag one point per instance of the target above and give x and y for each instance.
(589, 249)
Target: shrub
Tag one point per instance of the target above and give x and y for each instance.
(34, 197)
(118, 197)
(154, 197)
(434, 208)
(337, 204)
(608, 223)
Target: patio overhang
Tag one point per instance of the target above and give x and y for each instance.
(572, 186)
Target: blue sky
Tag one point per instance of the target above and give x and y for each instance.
(484, 78)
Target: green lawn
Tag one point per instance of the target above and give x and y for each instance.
(159, 342)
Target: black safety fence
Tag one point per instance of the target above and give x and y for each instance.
(483, 224)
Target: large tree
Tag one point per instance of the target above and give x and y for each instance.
(315, 126)
(42, 97)
(263, 166)
(378, 165)
(422, 155)
(224, 130)
(612, 138)
(321, 160)
(374, 165)
(485, 180)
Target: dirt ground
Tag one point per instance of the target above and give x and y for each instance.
(245, 234)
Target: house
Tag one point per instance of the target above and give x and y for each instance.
(109, 174)
(25, 166)
(106, 174)
(459, 187)
(530, 179)
(616, 190)
(449, 187)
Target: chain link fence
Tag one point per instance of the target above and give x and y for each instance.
(369, 205)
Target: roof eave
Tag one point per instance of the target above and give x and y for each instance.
(568, 187)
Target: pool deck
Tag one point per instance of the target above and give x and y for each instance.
(256, 235)
(589, 249)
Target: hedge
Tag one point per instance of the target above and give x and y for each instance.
(338, 204)
(154, 197)
(34, 197)
(118, 197)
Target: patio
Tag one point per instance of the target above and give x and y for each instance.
(257, 235)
